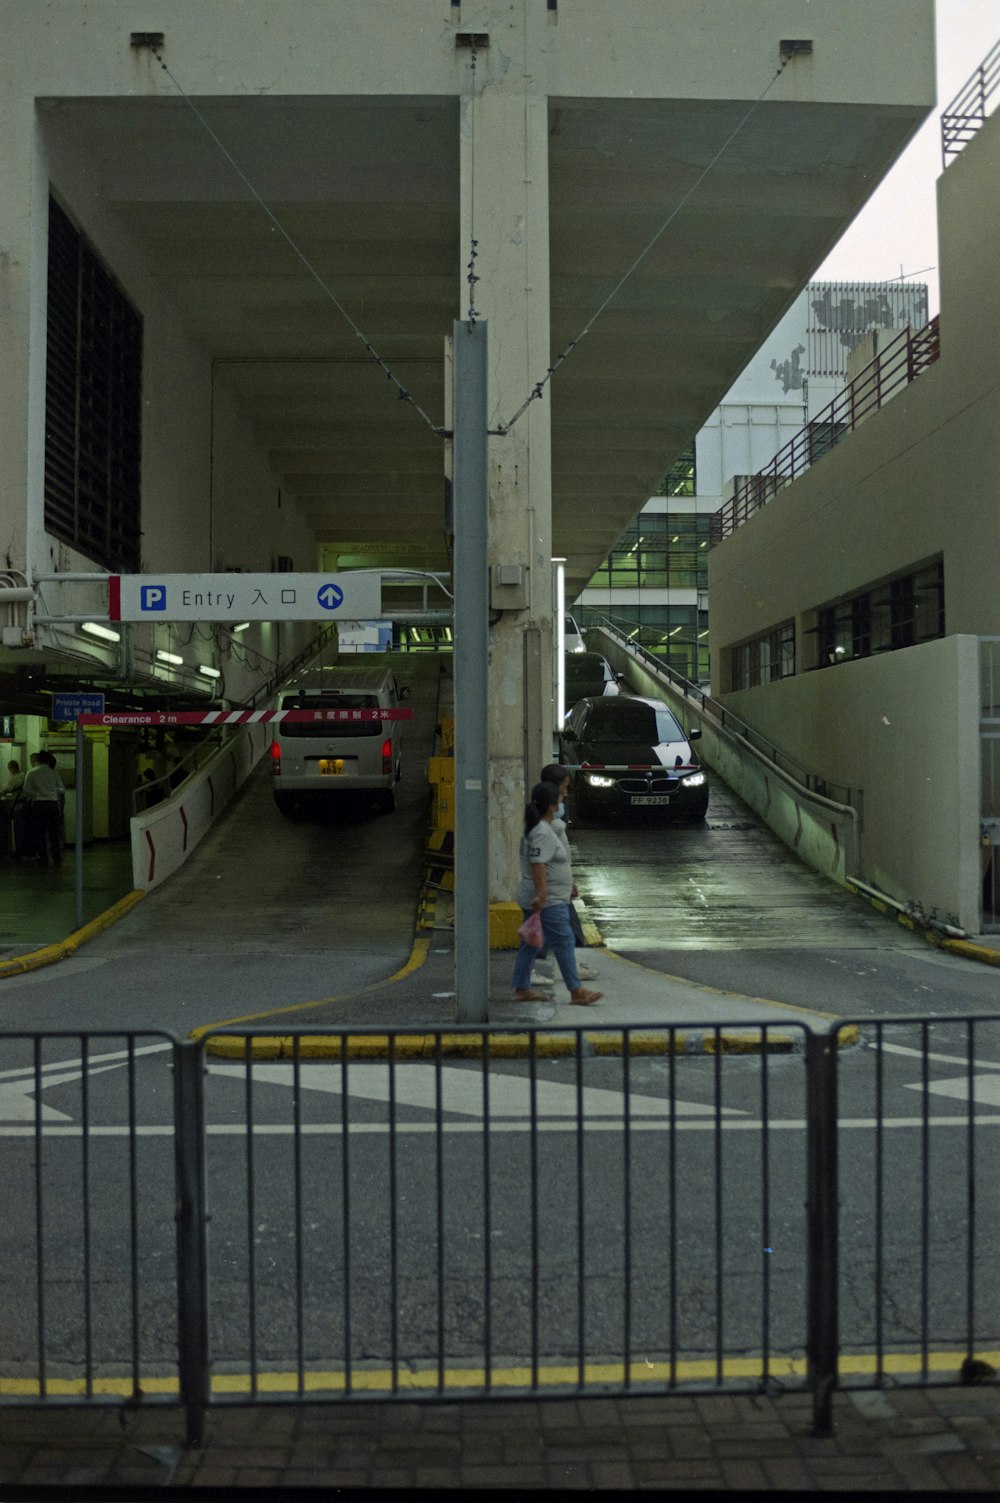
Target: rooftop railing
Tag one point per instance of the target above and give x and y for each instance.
(899, 363)
(967, 111)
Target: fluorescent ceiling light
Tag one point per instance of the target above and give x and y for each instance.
(169, 657)
(94, 629)
(209, 672)
(242, 626)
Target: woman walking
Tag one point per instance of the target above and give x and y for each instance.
(545, 887)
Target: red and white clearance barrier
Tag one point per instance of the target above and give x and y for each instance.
(211, 718)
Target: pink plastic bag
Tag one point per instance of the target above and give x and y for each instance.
(531, 931)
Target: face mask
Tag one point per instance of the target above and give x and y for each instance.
(561, 812)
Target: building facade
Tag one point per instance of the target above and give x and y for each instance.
(877, 569)
(654, 583)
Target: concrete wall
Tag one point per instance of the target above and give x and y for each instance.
(164, 837)
(824, 835)
(903, 729)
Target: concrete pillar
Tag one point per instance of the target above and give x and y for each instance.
(504, 207)
(24, 238)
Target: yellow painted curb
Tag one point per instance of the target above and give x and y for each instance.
(428, 1046)
(505, 920)
(269, 1047)
(963, 947)
(383, 1380)
(49, 954)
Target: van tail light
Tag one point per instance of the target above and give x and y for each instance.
(387, 754)
(276, 759)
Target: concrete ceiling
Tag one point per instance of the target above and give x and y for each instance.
(369, 189)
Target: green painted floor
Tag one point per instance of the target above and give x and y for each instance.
(38, 906)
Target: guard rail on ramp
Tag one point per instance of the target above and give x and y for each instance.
(164, 836)
(825, 833)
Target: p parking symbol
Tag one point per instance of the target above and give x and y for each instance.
(153, 597)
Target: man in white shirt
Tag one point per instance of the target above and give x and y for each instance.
(43, 788)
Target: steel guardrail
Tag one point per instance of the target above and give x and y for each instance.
(372, 1214)
(962, 118)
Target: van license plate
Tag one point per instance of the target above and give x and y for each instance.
(331, 765)
(651, 798)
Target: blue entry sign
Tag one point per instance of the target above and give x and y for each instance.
(69, 706)
(352, 596)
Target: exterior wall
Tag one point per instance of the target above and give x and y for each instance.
(903, 729)
(916, 481)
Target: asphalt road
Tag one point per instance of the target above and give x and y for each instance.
(727, 904)
(690, 1239)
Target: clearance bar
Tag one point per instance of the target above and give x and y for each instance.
(235, 717)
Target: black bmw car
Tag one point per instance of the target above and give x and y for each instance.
(630, 754)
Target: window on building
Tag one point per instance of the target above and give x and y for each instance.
(764, 659)
(659, 550)
(681, 479)
(93, 404)
(676, 633)
(899, 613)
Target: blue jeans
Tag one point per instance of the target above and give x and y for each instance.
(559, 939)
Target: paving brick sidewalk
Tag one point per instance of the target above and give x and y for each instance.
(912, 1440)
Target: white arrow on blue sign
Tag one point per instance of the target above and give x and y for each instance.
(330, 596)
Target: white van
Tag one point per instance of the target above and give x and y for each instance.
(317, 762)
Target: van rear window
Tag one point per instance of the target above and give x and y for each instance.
(328, 728)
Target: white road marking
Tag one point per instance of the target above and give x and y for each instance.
(76, 1062)
(985, 1088)
(17, 1103)
(944, 1059)
(462, 1091)
(424, 1129)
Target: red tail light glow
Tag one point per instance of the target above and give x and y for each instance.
(387, 754)
(276, 759)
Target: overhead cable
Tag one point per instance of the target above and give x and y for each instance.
(539, 387)
(404, 394)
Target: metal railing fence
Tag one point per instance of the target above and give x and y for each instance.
(476, 1214)
(899, 363)
(961, 119)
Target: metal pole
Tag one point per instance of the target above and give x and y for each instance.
(192, 1259)
(81, 803)
(822, 1226)
(471, 660)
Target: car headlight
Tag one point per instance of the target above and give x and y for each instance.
(596, 780)
(694, 781)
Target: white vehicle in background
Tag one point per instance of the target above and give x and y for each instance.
(572, 637)
(317, 762)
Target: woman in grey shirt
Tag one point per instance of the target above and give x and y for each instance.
(546, 887)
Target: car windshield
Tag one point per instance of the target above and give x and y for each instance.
(630, 720)
(586, 667)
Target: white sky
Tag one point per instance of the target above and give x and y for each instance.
(898, 225)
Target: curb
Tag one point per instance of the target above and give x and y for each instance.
(964, 947)
(502, 1044)
(426, 905)
(49, 954)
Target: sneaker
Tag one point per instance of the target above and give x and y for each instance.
(541, 983)
(585, 972)
(544, 970)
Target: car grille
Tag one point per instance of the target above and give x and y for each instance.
(647, 785)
